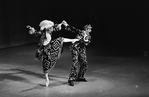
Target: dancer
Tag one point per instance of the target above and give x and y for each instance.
(78, 50)
(49, 50)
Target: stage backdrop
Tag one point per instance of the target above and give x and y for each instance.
(115, 22)
(15, 15)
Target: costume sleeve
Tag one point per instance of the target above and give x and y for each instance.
(87, 43)
(85, 39)
(89, 40)
(56, 27)
(73, 29)
(36, 33)
(40, 48)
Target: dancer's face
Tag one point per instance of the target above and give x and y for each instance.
(88, 30)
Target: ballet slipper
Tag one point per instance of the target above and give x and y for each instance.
(47, 83)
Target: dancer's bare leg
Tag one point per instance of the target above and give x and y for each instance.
(47, 79)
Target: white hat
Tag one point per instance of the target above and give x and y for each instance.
(46, 24)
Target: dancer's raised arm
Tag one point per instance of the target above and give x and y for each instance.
(71, 28)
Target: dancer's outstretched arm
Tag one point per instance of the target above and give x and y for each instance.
(71, 28)
(33, 31)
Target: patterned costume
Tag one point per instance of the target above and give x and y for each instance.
(49, 49)
(48, 54)
(78, 51)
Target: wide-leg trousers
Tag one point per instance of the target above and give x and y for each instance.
(79, 59)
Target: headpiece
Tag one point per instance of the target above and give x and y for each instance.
(46, 24)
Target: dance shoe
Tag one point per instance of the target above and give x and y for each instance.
(70, 82)
(82, 79)
(47, 83)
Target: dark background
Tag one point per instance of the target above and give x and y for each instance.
(120, 24)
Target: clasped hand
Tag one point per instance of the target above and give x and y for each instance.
(64, 23)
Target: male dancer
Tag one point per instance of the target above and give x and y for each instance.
(78, 50)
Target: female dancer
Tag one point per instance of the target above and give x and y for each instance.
(48, 50)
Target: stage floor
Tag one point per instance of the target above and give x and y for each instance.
(110, 74)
